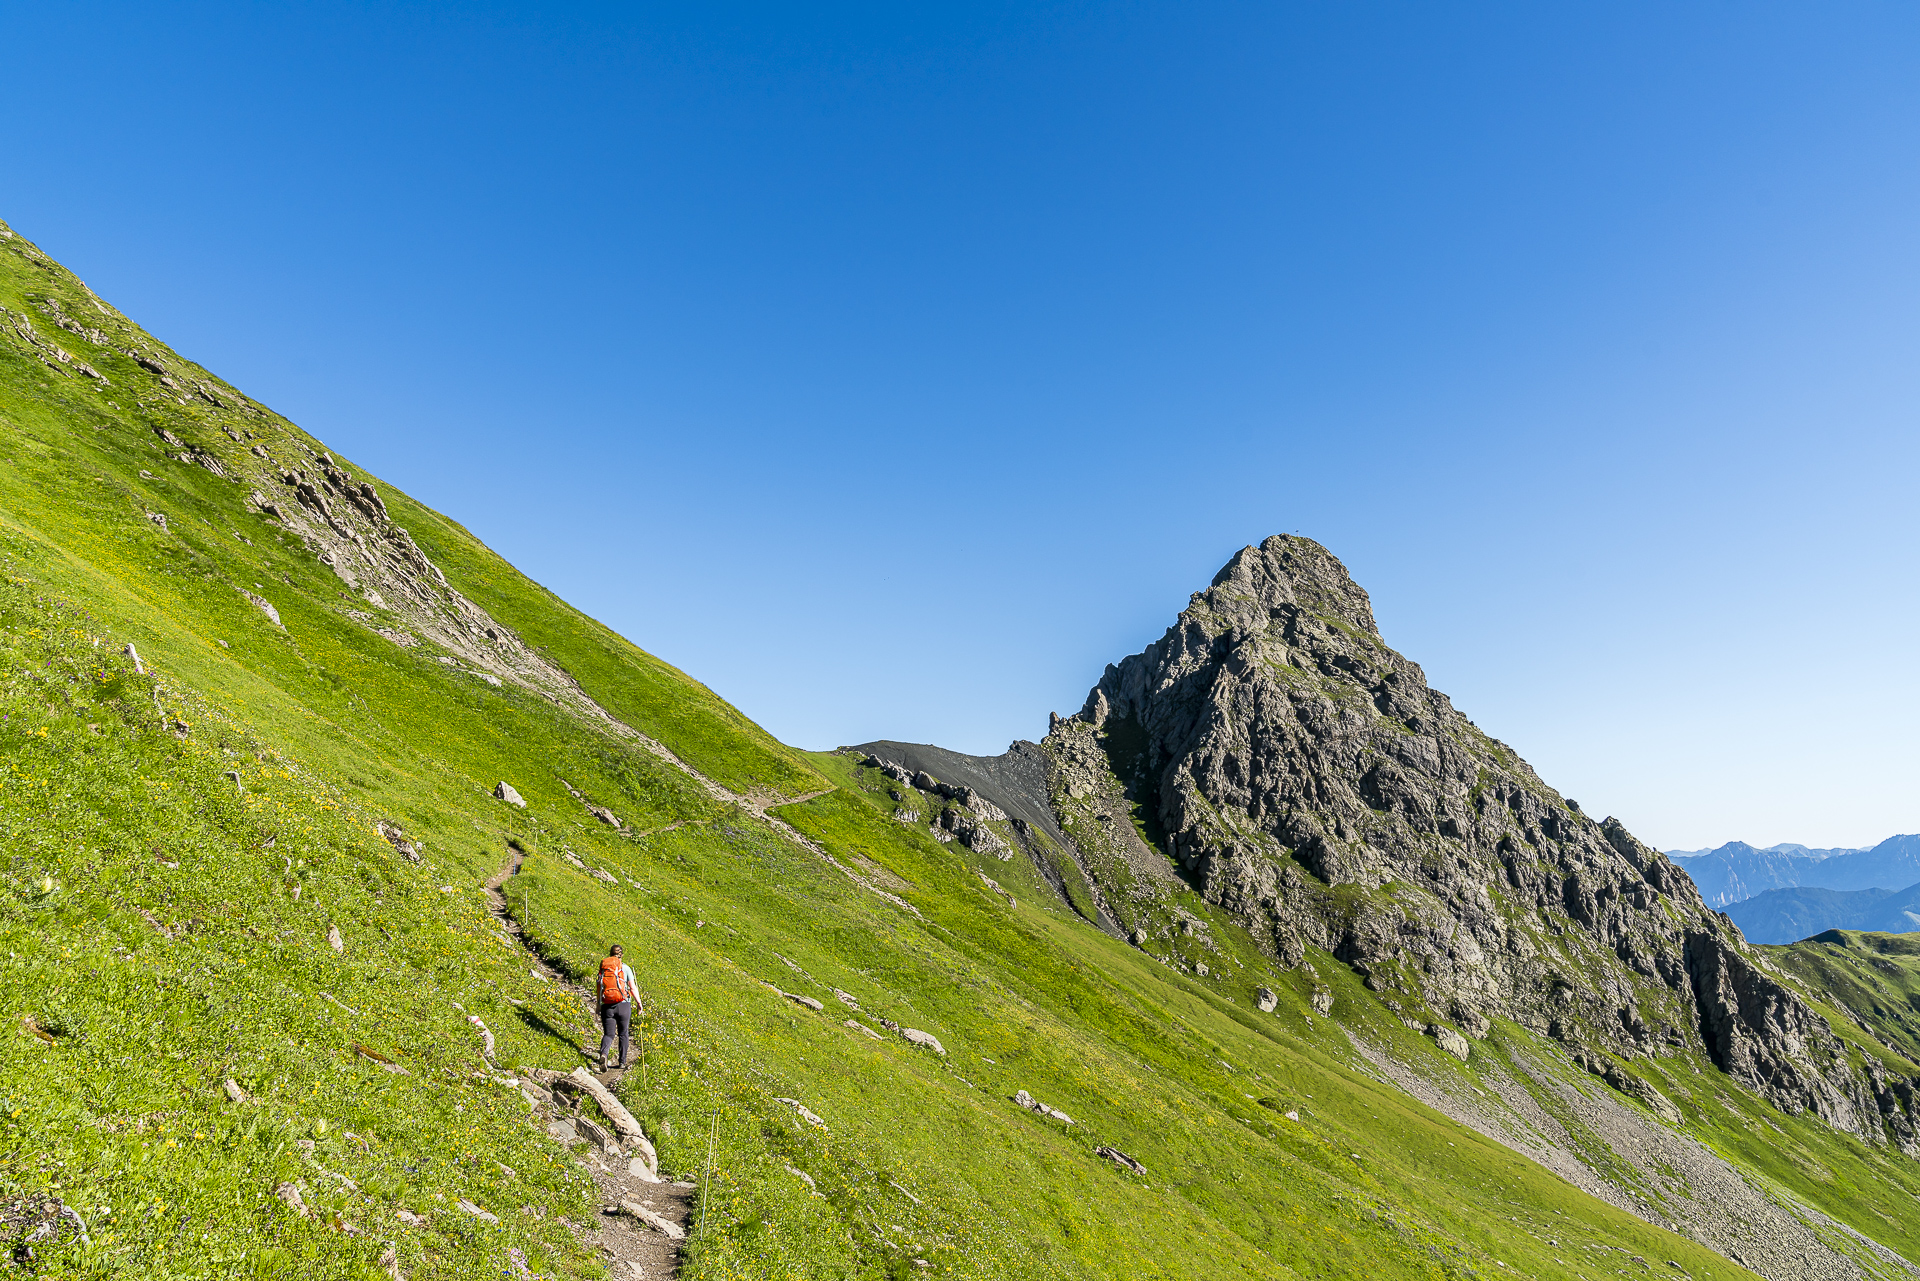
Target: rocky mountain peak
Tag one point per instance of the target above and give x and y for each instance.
(1303, 776)
(1289, 571)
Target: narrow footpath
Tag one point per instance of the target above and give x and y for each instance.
(633, 1246)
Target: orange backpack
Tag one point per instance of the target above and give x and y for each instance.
(612, 985)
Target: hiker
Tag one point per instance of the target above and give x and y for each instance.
(619, 995)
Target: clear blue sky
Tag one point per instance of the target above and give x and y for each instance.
(892, 369)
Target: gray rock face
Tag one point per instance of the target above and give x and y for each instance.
(1308, 781)
(973, 834)
(1017, 781)
(1452, 1042)
(504, 791)
(965, 821)
(1266, 1001)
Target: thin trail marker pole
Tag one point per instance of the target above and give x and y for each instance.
(706, 1187)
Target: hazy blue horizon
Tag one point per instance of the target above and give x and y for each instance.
(892, 372)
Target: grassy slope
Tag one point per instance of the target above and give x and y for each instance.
(701, 728)
(1876, 976)
(329, 727)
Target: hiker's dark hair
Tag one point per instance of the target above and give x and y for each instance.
(615, 951)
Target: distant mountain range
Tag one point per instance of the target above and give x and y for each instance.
(1787, 916)
(1785, 847)
(1737, 872)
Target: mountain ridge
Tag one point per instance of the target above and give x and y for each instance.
(1790, 848)
(1792, 915)
(1736, 871)
(1278, 751)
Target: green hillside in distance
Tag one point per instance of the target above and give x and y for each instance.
(256, 709)
(1870, 981)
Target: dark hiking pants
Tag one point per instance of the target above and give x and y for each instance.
(615, 1020)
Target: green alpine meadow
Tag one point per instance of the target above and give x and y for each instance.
(318, 818)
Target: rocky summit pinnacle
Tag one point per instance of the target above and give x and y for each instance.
(1304, 777)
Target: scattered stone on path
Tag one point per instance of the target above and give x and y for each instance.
(233, 1090)
(604, 814)
(564, 1132)
(504, 791)
(845, 998)
(334, 940)
(1266, 1000)
(290, 1195)
(623, 1122)
(926, 1040)
(806, 1114)
(595, 1135)
(602, 874)
(862, 1027)
(666, 1227)
(1120, 1158)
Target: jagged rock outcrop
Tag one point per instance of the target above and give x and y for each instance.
(966, 821)
(1307, 780)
